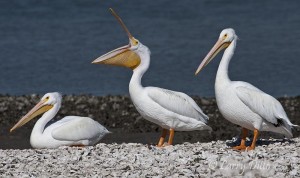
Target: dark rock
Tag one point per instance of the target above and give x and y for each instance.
(117, 113)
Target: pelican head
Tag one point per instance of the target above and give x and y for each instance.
(46, 103)
(124, 56)
(225, 39)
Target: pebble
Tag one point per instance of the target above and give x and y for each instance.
(138, 160)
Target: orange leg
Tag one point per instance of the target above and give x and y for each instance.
(252, 147)
(162, 138)
(171, 137)
(242, 146)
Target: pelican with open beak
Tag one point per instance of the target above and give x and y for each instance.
(69, 131)
(173, 111)
(242, 103)
(123, 56)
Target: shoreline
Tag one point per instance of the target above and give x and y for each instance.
(130, 152)
(118, 114)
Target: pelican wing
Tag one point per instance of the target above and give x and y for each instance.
(262, 104)
(177, 102)
(74, 128)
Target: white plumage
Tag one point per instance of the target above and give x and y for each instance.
(178, 102)
(241, 103)
(171, 110)
(78, 128)
(261, 110)
(69, 131)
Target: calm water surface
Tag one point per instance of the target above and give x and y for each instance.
(49, 45)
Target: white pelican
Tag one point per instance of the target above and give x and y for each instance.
(69, 131)
(241, 103)
(173, 111)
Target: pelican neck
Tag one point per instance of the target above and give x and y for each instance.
(39, 126)
(222, 74)
(136, 79)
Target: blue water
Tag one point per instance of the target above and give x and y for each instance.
(48, 45)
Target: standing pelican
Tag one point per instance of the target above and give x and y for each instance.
(69, 131)
(241, 103)
(173, 111)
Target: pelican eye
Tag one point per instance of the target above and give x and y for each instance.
(47, 98)
(225, 35)
(134, 42)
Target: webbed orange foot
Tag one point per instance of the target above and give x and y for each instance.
(250, 148)
(240, 147)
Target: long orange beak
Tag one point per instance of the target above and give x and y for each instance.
(220, 44)
(38, 109)
(122, 56)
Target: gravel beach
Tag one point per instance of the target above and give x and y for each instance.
(129, 150)
(279, 159)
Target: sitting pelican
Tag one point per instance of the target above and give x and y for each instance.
(69, 131)
(173, 111)
(241, 103)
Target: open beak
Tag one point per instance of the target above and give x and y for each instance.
(220, 44)
(122, 56)
(38, 109)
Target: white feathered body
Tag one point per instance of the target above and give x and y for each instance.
(166, 108)
(243, 104)
(169, 109)
(69, 131)
(263, 115)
